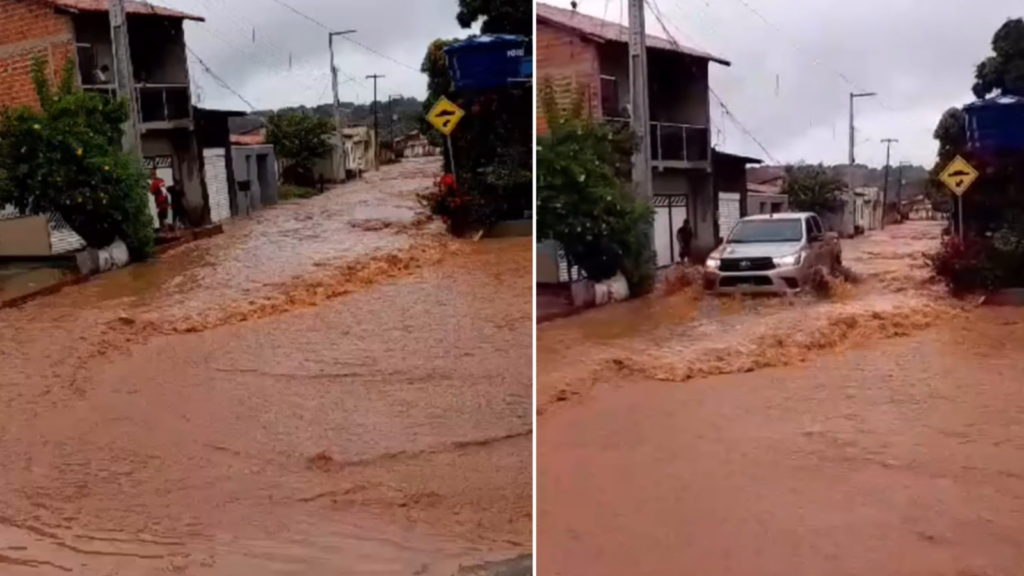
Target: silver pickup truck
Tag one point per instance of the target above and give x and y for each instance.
(772, 253)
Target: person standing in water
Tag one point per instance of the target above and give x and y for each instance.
(684, 236)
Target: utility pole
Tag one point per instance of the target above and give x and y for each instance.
(376, 132)
(392, 117)
(124, 78)
(341, 160)
(885, 185)
(853, 159)
(640, 113)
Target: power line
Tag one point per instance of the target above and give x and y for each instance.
(813, 59)
(736, 121)
(218, 79)
(356, 42)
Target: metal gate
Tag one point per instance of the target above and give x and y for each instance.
(669, 214)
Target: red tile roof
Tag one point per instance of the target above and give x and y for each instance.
(247, 139)
(607, 31)
(131, 6)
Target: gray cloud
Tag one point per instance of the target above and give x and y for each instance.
(260, 71)
(786, 83)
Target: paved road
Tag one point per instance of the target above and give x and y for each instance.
(329, 388)
(878, 433)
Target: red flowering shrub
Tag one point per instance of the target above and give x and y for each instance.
(964, 265)
(453, 207)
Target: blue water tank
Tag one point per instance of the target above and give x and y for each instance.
(995, 125)
(487, 61)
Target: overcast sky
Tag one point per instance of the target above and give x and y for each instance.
(919, 55)
(259, 70)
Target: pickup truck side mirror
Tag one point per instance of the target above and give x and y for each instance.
(816, 237)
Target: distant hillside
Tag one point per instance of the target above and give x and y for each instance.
(407, 111)
(914, 177)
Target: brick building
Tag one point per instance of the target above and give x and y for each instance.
(56, 30)
(583, 56)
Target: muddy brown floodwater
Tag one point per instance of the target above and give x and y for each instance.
(331, 387)
(878, 432)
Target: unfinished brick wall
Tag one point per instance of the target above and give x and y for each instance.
(570, 64)
(30, 28)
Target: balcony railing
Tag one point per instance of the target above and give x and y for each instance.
(163, 102)
(157, 102)
(677, 142)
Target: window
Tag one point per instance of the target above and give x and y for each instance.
(610, 106)
(767, 230)
(808, 229)
(764, 208)
(816, 223)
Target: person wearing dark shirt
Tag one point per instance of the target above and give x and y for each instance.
(684, 236)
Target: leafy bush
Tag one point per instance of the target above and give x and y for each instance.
(455, 208)
(300, 140)
(65, 158)
(582, 197)
(965, 266)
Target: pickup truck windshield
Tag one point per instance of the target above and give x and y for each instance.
(780, 230)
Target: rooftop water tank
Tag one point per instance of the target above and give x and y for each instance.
(995, 125)
(487, 61)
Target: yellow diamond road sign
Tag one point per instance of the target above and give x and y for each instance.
(958, 176)
(445, 115)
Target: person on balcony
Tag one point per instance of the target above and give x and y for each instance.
(100, 75)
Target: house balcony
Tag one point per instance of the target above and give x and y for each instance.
(682, 146)
(161, 106)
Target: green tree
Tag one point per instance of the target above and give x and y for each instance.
(300, 140)
(499, 16)
(583, 201)
(65, 158)
(1003, 71)
(813, 188)
(951, 135)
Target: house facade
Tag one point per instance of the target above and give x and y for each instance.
(56, 30)
(582, 56)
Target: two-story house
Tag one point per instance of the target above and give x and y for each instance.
(581, 55)
(56, 30)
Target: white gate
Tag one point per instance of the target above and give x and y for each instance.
(669, 214)
(217, 184)
(728, 212)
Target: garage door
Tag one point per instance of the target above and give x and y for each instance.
(728, 212)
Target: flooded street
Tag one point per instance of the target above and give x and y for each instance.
(330, 386)
(874, 432)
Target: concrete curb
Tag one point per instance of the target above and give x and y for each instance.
(45, 291)
(518, 566)
(188, 238)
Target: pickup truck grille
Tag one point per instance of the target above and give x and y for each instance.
(760, 264)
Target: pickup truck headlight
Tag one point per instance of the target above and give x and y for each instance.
(789, 261)
(712, 263)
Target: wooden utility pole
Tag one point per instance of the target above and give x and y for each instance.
(640, 113)
(342, 161)
(124, 78)
(376, 132)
